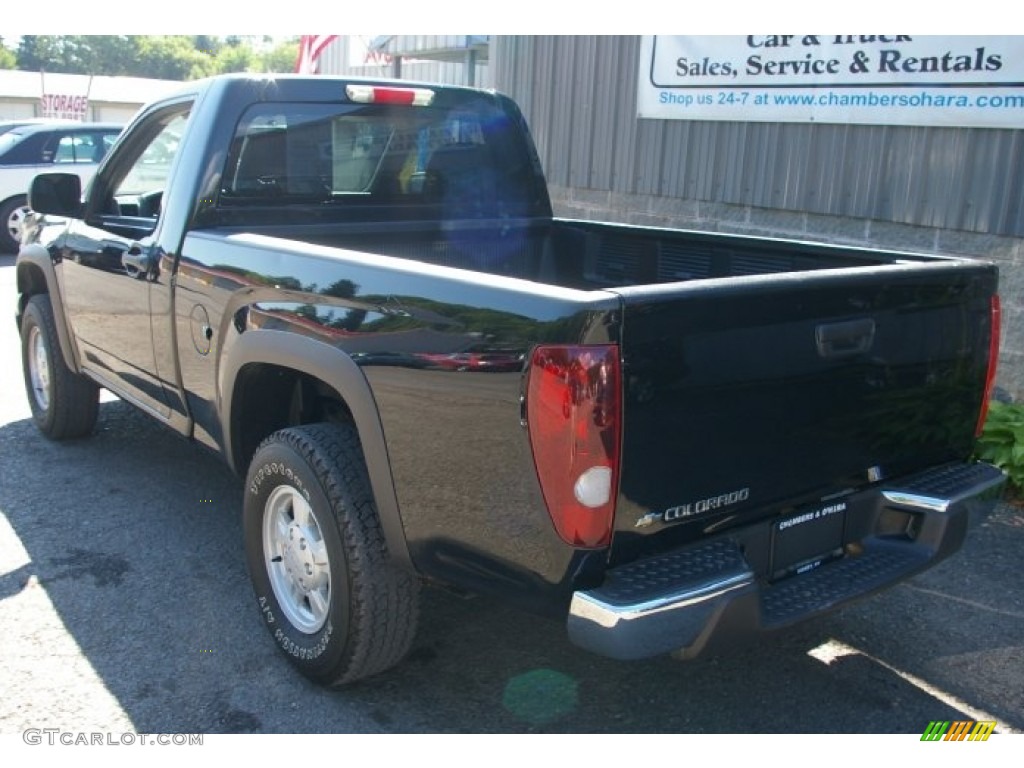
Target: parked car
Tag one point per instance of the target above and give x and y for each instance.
(32, 148)
(10, 125)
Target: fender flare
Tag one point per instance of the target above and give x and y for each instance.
(336, 369)
(37, 257)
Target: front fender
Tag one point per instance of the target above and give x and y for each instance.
(36, 274)
(336, 369)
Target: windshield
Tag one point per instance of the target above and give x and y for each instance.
(9, 139)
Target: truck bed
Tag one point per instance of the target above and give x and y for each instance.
(770, 374)
(585, 255)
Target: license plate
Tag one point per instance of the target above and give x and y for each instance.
(807, 539)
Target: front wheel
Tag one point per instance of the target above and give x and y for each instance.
(13, 213)
(334, 603)
(64, 404)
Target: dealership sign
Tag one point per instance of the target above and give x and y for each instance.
(64, 106)
(873, 79)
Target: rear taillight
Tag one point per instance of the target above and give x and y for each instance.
(993, 359)
(573, 415)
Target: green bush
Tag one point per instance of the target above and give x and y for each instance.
(1002, 441)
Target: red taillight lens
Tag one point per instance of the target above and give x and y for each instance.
(372, 94)
(993, 360)
(572, 408)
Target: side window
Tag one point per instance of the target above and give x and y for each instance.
(107, 141)
(65, 150)
(48, 151)
(128, 194)
(151, 168)
(81, 148)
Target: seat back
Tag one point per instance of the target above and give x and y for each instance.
(261, 168)
(461, 178)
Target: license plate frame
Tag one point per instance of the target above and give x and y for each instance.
(808, 538)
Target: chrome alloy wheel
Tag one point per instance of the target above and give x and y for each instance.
(16, 222)
(296, 559)
(39, 368)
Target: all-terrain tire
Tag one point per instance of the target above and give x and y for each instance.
(64, 404)
(335, 604)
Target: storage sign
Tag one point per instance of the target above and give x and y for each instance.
(65, 106)
(871, 79)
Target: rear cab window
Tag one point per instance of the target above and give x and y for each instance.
(402, 161)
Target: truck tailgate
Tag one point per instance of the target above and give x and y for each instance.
(748, 398)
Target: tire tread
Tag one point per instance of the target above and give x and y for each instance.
(384, 601)
(74, 398)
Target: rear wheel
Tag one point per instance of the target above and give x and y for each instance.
(64, 403)
(330, 596)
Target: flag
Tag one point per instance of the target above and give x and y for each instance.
(310, 48)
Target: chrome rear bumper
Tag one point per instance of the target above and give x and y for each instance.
(679, 600)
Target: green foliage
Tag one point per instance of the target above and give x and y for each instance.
(7, 58)
(173, 57)
(236, 58)
(282, 57)
(78, 54)
(209, 44)
(168, 57)
(1002, 441)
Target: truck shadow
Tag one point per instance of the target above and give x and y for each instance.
(135, 536)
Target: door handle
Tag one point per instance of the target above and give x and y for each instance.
(136, 258)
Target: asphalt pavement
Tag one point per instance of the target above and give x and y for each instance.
(125, 606)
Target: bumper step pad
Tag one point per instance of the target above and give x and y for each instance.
(880, 565)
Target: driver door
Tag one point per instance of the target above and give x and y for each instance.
(113, 286)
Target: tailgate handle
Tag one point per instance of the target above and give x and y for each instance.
(846, 339)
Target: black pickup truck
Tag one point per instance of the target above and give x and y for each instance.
(356, 293)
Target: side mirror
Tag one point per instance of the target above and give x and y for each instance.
(59, 194)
